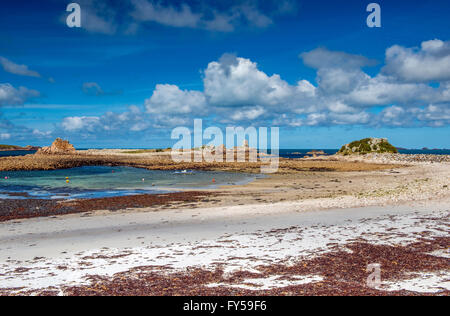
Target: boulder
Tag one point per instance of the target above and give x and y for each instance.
(59, 147)
(367, 146)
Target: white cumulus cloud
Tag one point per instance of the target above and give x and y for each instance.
(170, 99)
(5, 136)
(234, 81)
(15, 96)
(430, 62)
(77, 123)
(236, 90)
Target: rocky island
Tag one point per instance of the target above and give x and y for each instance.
(58, 147)
(367, 146)
(16, 148)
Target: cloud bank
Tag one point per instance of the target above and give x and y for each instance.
(128, 16)
(409, 91)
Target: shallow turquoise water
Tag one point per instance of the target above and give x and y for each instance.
(91, 182)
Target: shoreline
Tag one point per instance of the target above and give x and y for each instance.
(359, 181)
(163, 161)
(14, 209)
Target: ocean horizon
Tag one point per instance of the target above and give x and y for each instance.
(284, 153)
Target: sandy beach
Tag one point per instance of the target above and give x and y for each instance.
(292, 233)
(247, 249)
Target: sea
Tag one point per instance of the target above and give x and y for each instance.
(284, 153)
(300, 153)
(15, 153)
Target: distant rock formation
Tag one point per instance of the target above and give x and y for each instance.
(368, 145)
(58, 147)
(316, 153)
(14, 148)
(29, 147)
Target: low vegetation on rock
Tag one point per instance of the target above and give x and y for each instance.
(368, 145)
(14, 147)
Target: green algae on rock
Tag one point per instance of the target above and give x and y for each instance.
(368, 145)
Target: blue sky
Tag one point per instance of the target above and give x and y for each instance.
(138, 68)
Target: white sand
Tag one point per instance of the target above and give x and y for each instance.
(53, 251)
(421, 282)
(272, 282)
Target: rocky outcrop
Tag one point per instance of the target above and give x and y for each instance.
(367, 146)
(59, 147)
(316, 153)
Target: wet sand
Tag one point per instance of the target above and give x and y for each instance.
(12, 209)
(315, 189)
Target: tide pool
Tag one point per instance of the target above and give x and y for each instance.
(101, 181)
